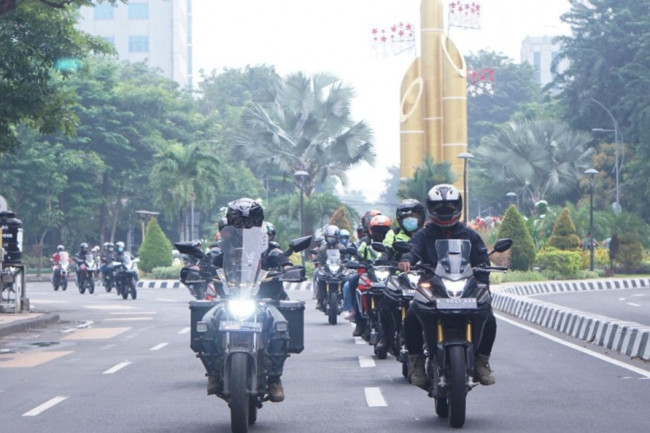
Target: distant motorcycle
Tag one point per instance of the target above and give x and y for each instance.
(87, 270)
(331, 276)
(60, 271)
(126, 277)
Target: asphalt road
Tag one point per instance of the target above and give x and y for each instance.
(112, 365)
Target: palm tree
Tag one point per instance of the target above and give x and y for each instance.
(183, 176)
(424, 178)
(539, 159)
(308, 128)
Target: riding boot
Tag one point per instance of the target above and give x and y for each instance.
(417, 374)
(215, 385)
(276, 391)
(482, 371)
(359, 328)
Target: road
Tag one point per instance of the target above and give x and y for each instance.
(113, 365)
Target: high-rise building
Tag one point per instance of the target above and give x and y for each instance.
(156, 31)
(540, 52)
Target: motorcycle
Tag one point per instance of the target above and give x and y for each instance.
(369, 293)
(60, 271)
(86, 271)
(452, 293)
(107, 272)
(332, 275)
(126, 276)
(196, 278)
(232, 335)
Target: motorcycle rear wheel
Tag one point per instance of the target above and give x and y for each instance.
(333, 311)
(457, 397)
(239, 398)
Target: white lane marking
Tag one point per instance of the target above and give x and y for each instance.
(159, 346)
(359, 340)
(374, 397)
(366, 361)
(45, 406)
(130, 313)
(633, 304)
(621, 299)
(117, 367)
(128, 319)
(184, 330)
(596, 355)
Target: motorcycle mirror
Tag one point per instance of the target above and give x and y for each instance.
(190, 248)
(378, 246)
(401, 246)
(502, 245)
(352, 251)
(300, 244)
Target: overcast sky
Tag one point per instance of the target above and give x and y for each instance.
(335, 36)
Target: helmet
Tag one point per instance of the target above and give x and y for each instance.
(378, 227)
(245, 213)
(445, 205)
(60, 248)
(119, 246)
(95, 249)
(360, 232)
(222, 223)
(365, 219)
(344, 237)
(331, 234)
(83, 247)
(270, 230)
(406, 209)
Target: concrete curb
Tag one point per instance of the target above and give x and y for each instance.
(175, 284)
(627, 338)
(28, 323)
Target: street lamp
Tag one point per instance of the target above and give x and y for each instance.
(466, 156)
(144, 216)
(591, 172)
(514, 198)
(617, 142)
(301, 176)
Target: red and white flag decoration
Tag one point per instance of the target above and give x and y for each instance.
(465, 14)
(480, 82)
(394, 39)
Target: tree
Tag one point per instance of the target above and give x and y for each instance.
(522, 253)
(309, 128)
(564, 235)
(426, 177)
(156, 250)
(539, 159)
(40, 48)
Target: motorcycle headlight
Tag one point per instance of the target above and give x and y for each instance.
(382, 275)
(334, 268)
(241, 309)
(455, 288)
(413, 278)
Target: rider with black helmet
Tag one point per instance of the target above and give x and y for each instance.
(444, 204)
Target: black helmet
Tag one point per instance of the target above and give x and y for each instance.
(119, 246)
(367, 217)
(83, 247)
(245, 213)
(406, 209)
(445, 205)
(331, 234)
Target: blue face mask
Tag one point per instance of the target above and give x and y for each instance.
(410, 224)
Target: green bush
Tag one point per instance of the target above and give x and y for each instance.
(564, 235)
(559, 263)
(156, 250)
(630, 253)
(166, 273)
(522, 253)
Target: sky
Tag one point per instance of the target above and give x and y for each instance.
(334, 36)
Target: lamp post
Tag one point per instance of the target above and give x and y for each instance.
(617, 143)
(301, 176)
(192, 198)
(514, 198)
(466, 156)
(145, 215)
(591, 172)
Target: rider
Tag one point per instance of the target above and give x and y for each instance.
(59, 256)
(410, 215)
(445, 204)
(378, 227)
(80, 257)
(344, 237)
(247, 213)
(331, 235)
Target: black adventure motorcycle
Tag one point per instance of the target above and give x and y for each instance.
(232, 334)
(460, 303)
(331, 276)
(125, 276)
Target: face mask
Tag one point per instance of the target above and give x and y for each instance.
(410, 224)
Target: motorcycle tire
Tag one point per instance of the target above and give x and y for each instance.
(55, 284)
(82, 286)
(239, 398)
(132, 288)
(108, 286)
(381, 352)
(252, 410)
(64, 284)
(124, 292)
(333, 310)
(91, 285)
(405, 369)
(457, 397)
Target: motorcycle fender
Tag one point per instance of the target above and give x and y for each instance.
(443, 348)
(252, 373)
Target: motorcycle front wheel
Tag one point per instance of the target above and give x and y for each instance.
(64, 283)
(239, 399)
(457, 397)
(132, 289)
(81, 284)
(333, 311)
(123, 291)
(91, 285)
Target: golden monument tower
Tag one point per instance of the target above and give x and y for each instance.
(433, 119)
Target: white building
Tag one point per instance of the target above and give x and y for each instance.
(540, 52)
(156, 31)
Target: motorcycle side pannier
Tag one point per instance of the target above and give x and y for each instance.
(197, 311)
(294, 312)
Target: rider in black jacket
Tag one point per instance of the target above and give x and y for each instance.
(445, 204)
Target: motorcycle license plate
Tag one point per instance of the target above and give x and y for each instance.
(456, 304)
(240, 326)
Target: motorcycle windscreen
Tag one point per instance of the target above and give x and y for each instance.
(453, 258)
(242, 259)
(333, 256)
(64, 258)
